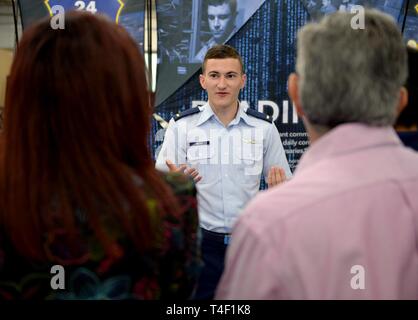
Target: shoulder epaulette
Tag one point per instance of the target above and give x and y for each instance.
(259, 115)
(186, 113)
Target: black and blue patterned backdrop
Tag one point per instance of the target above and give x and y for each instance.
(265, 36)
(267, 43)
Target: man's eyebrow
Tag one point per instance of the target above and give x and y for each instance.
(226, 73)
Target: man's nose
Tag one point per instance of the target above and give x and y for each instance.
(216, 23)
(222, 82)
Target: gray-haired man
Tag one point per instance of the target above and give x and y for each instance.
(345, 227)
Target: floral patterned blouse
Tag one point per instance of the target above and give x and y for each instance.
(170, 271)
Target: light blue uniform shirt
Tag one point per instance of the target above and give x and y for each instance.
(230, 160)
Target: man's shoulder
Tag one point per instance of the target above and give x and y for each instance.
(186, 113)
(289, 202)
(261, 213)
(259, 115)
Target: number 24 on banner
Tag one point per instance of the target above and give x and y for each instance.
(111, 8)
(91, 6)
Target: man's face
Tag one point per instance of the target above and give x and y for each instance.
(223, 80)
(220, 19)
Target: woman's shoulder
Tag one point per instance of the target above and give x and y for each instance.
(180, 183)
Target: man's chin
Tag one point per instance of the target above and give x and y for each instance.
(222, 104)
(218, 38)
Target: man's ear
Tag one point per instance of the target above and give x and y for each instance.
(244, 81)
(403, 100)
(202, 81)
(293, 90)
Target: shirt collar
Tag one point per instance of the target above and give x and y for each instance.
(208, 113)
(242, 114)
(347, 138)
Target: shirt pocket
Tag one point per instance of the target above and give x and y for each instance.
(248, 163)
(201, 157)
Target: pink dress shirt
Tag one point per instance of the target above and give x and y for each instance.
(345, 227)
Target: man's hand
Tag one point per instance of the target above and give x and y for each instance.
(276, 176)
(192, 172)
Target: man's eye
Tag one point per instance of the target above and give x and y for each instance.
(211, 17)
(213, 75)
(231, 76)
(224, 16)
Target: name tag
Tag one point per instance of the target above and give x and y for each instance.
(199, 143)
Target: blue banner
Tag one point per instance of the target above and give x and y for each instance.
(111, 8)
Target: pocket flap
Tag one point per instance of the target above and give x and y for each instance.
(251, 152)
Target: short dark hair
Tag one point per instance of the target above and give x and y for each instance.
(222, 51)
(409, 115)
(232, 4)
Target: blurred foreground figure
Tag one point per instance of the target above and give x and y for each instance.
(345, 227)
(407, 123)
(78, 186)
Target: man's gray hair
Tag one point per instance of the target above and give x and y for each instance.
(351, 75)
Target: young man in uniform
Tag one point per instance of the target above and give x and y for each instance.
(230, 147)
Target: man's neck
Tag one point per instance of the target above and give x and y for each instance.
(226, 114)
(314, 132)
